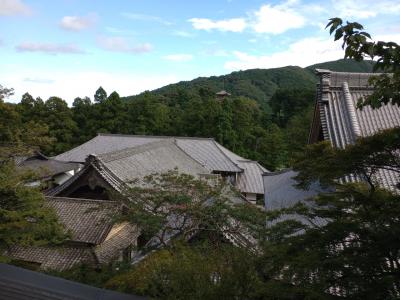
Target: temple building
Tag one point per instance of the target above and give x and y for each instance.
(244, 174)
(86, 202)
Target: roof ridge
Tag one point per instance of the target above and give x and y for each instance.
(154, 136)
(70, 199)
(326, 71)
(70, 150)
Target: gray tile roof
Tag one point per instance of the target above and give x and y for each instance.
(342, 122)
(281, 191)
(55, 258)
(89, 221)
(204, 150)
(207, 152)
(94, 236)
(251, 181)
(157, 157)
(44, 165)
(127, 167)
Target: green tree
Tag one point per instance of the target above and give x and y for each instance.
(286, 103)
(61, 125)
(193, 204)
(349, 244)
(24, 218)
(192, 272)
(83, 114)
(100, 95)
(296, 133)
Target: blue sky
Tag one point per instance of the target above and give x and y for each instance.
(68, 48)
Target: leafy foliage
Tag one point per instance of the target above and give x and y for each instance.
(201, 272)
(173, 204)
(359, 46)
(24, 219)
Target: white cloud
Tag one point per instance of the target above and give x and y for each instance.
(363, 9)
(69, 85)
(120, 44)
(303, 53)
(233, 25)
(76, 23)
(270, 19)
(276, 19)
(178, 57)
(14, 7)
(49, 48)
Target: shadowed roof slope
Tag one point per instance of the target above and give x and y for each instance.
(20, 284)
(281, 191)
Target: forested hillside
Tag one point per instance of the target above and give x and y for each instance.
(261, 84)
(267, 118)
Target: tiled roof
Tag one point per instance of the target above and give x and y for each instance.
(89, 221)
(56, 258)
(120, 154)
(127, 167)
(281, 192)
(336, 113)
(207, 152)
(157, 157)
(45, 166)
(204, 150)
(251, 181)
(95, 239)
